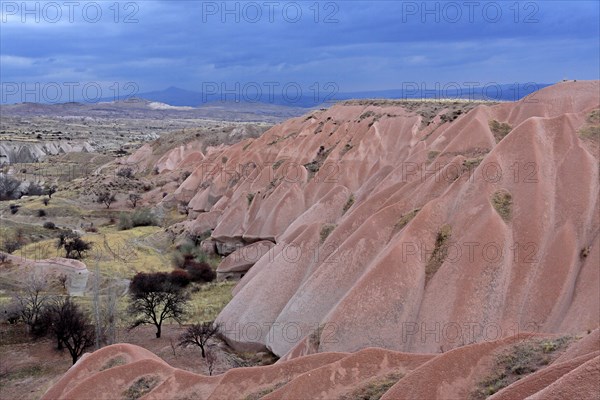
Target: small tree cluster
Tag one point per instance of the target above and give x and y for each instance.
(75, 247)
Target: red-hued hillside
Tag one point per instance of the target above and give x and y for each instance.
(417, 248)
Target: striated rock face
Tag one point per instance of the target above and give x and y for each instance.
(122, 370)
(237, 264)
(411, 226)
(16, 152)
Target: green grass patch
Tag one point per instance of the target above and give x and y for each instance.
(502, 202)
(207, 300)
(118, 253)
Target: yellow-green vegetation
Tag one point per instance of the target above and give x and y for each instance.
(30, 371)
(348, 204)
(499, 129)
(113, 362)
(519, 361)
(502, 202)
(262, 393)
(57, 207)
(118, 253)
(440, 251)
(594, 117)
(326, 231)
(140, 387)
(472, 163)
(374, 389)
(209, 299)
(592, 129)
(404, 220)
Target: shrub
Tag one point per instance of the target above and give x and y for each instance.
(9, 188)
(46, 200)
(440, 251)
(502, 202)
(49, 225)
(141, 217)
(326, 231)
(41, 213)
(180, 277)
(14, 208)
(499, 130)
(124, 222)
(126, 172)
(199, 271)
(348, 204)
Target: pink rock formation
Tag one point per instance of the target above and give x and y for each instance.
(124, 370)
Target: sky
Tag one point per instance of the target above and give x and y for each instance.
(99, 49)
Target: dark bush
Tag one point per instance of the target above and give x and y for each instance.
(46, 200)
(41, 213)
(14, 208)
(180, 277)
(35, 190)
(126, 172)
(199, 271)
(9, 188)
(49, 225)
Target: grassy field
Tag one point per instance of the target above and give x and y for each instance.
(117, 253)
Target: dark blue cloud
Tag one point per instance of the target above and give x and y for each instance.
(358, 45)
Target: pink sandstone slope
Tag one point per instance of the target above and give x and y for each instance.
(123, 370)
(355, 198)
(442, 234)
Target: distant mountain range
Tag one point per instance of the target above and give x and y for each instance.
(253, 97)
(308, 98)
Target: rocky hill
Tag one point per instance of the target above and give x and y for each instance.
(453, 231)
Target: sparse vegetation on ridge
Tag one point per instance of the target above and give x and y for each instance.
(499, 129)
(502, 202)
(519, 361)
(440, 252)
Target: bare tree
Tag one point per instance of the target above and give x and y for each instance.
(133, 199)
(9, 187)
(106, 198)
(211, 360)
(32, 300)
(154, 298)
(71, 327)
(199, 334)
